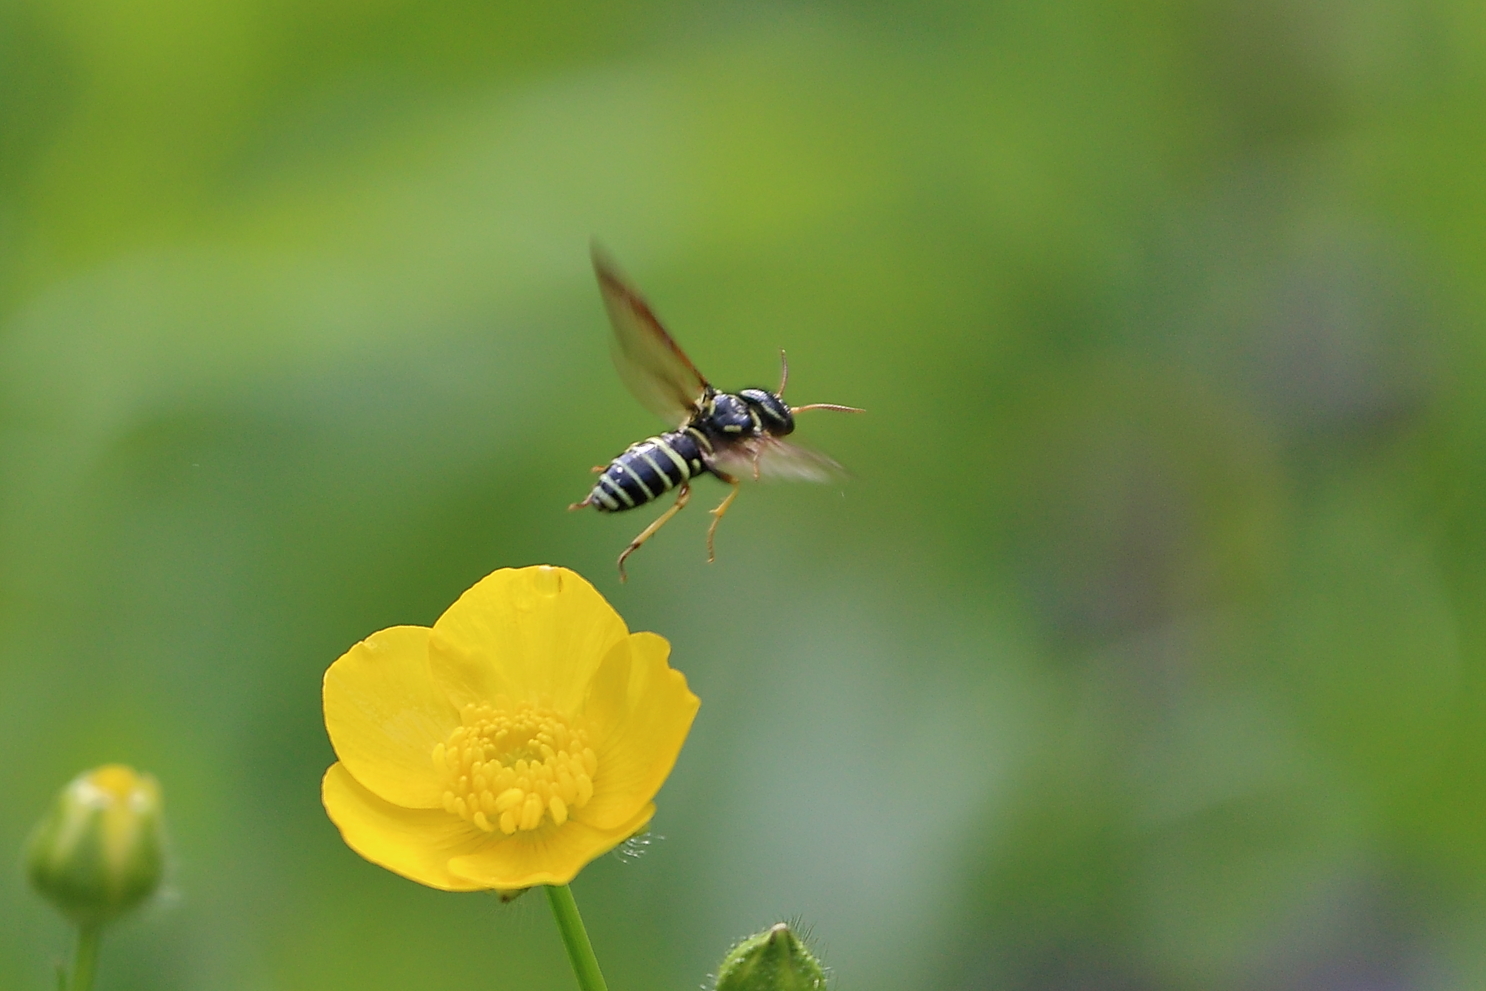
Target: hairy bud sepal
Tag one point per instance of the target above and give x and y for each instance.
(773, 960)
(100, 851)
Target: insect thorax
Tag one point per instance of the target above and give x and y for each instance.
(746, 413)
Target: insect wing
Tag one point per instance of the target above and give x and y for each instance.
(651, 364)
(769, 457)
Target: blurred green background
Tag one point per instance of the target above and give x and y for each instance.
(1144, 650)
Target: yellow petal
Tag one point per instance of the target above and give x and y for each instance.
(639, 711)
(550, 855)
(385, 714)
(416, 843)
(533, 634)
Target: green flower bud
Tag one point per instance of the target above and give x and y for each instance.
(773, 960)
(101, 849)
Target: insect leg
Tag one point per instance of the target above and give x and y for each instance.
(717, 513)
(682, 495)
(597, 470)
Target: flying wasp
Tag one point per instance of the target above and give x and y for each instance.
(718, 433)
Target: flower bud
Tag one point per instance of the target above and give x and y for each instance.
(773, 960)
(101, 849)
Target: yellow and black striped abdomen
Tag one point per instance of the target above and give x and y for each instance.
(650, 469)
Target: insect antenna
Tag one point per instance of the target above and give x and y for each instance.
(784, 380)
(839, 409)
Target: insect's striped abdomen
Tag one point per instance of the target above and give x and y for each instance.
(650, 469)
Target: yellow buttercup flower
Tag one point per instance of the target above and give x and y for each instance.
(522, 736)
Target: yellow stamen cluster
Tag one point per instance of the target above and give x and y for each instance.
(509, 767)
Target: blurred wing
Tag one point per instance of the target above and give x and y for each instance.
(769, 457)
(658, 372)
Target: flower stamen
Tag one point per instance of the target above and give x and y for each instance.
(512, 767)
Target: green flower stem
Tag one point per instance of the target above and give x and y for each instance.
(86, 958)
(575, 938)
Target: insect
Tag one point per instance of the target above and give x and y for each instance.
(717, 433)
